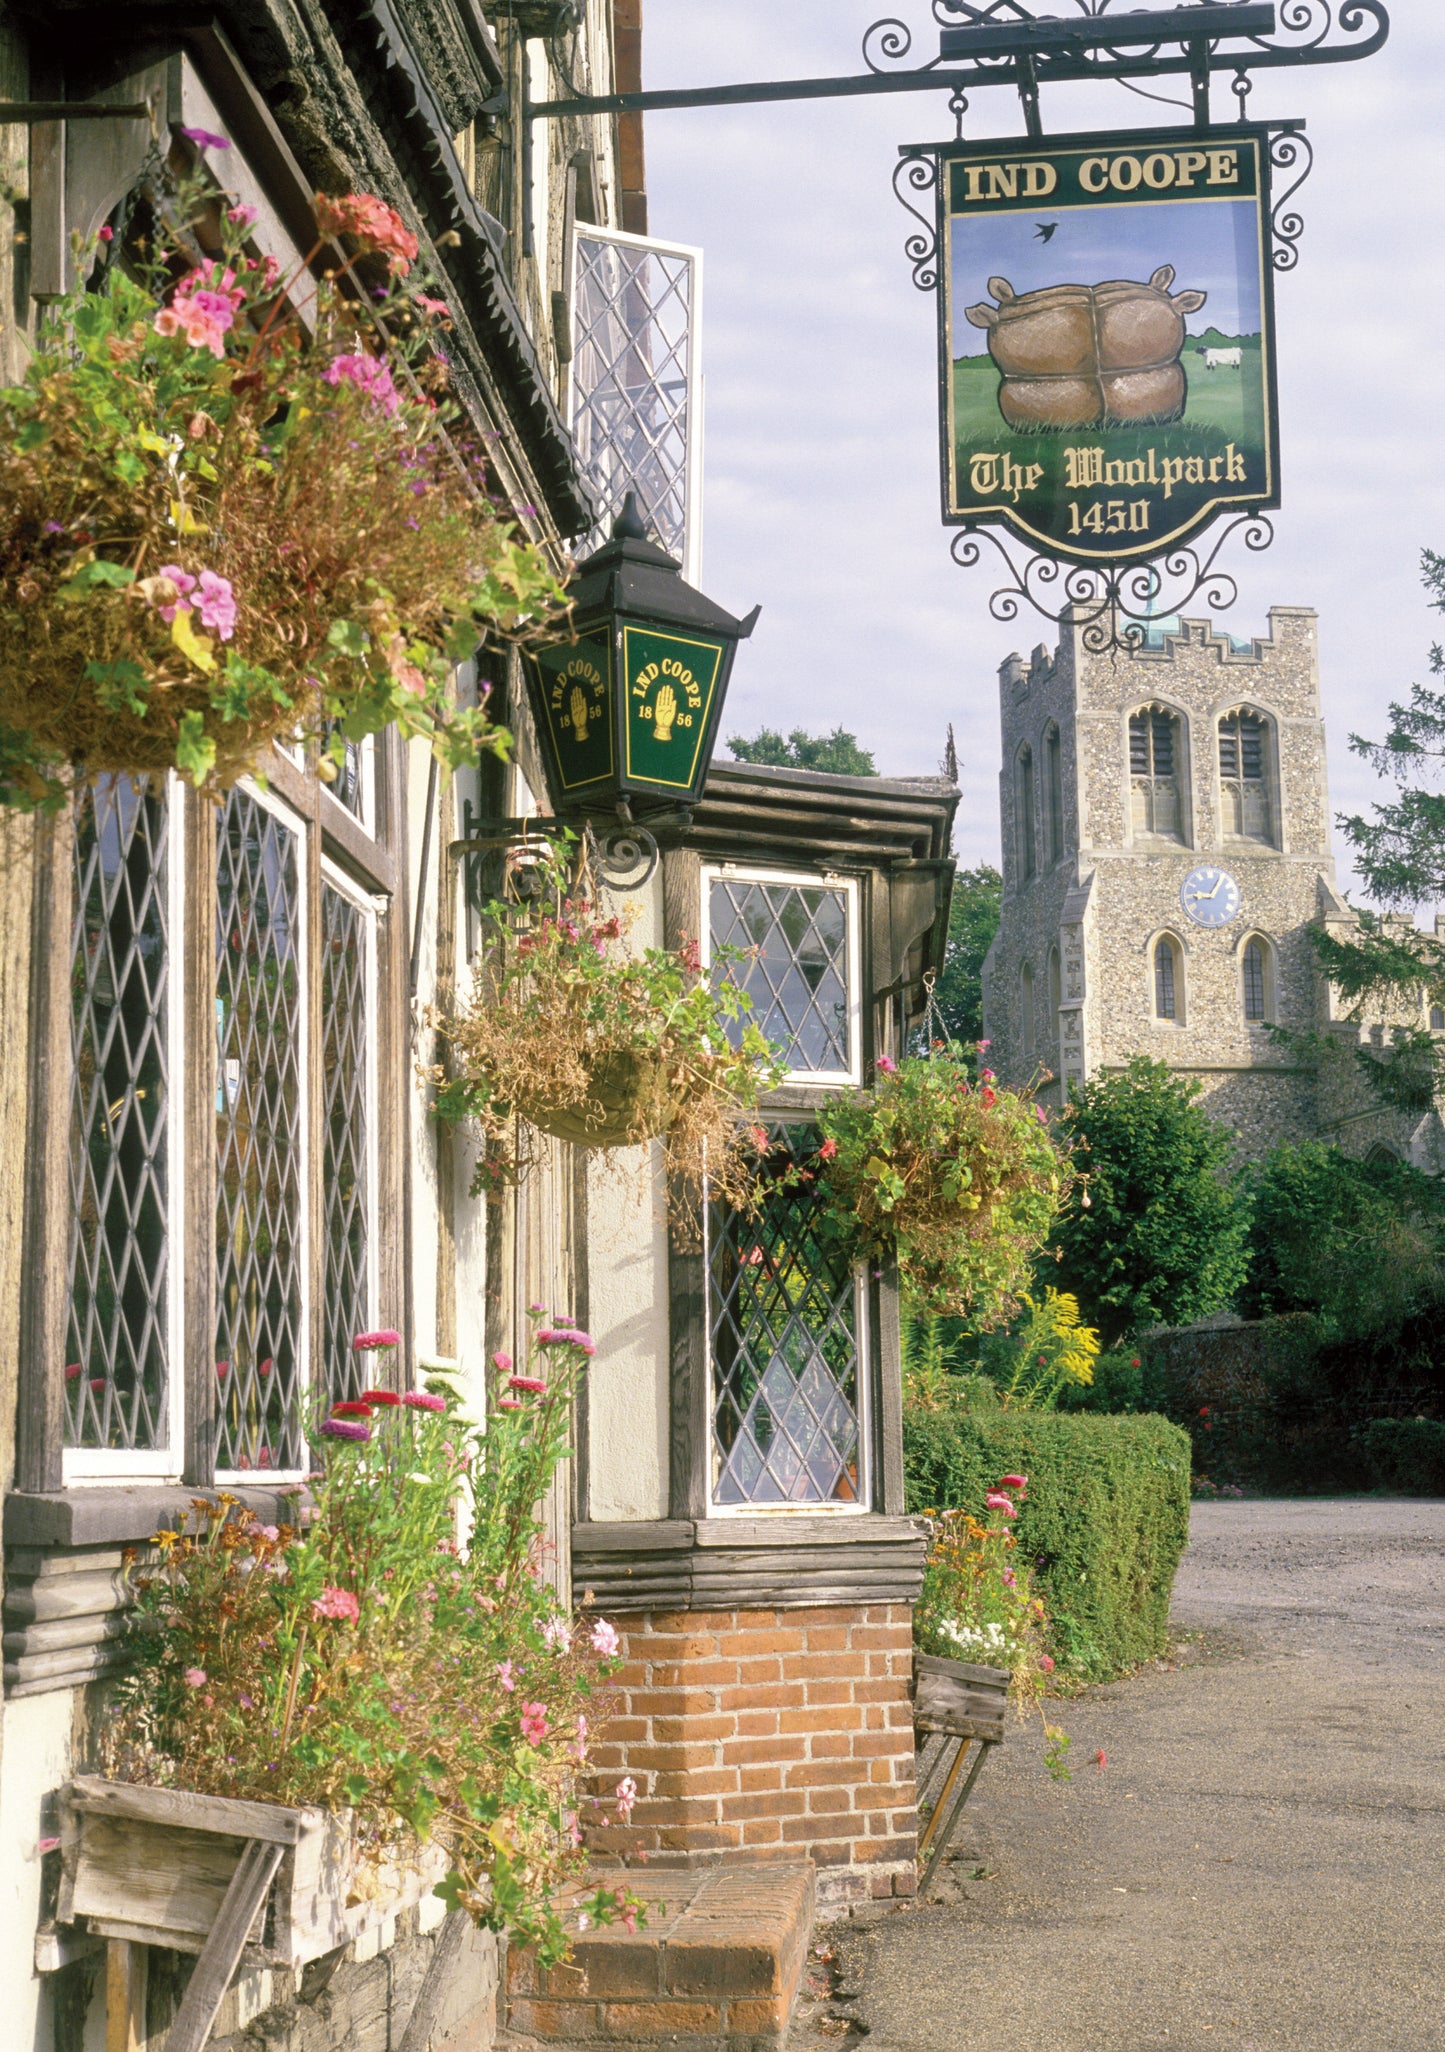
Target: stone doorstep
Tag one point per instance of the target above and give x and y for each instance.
(716, 1968)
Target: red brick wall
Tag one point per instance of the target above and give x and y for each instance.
(767, 1734)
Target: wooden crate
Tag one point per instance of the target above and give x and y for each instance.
(152, 1865)
(958, 1698)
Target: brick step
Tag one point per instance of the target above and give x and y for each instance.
(716, 1968)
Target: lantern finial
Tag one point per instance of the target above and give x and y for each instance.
(629, 524)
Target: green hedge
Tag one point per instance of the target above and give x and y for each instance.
(1105, 1520)
(1407, 1454)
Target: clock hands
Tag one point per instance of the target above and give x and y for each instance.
(1199, 897)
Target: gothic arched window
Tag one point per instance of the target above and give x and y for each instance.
(1024, 813)
(1244, 777)
(1054, 795)
(1156, 770)
(1168, 979)
(1026, 1009)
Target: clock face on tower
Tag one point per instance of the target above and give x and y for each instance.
(1210, 896)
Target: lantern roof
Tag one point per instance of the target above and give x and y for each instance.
(630, 574)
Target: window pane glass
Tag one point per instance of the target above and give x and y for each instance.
(261, 1186)
(1164, 980)
(1254, 981)
(116, 1356)
(796, 967)
(347, 786)
(344, 981)
(785, 1345)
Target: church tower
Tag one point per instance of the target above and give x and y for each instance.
(1165, 851)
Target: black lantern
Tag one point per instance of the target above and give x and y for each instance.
(628, 710)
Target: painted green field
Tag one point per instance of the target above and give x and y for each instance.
(1223, 404)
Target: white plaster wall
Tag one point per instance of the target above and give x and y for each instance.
(627, 1395)
(423, 1127)
(34, 1763)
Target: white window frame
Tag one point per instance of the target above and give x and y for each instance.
(300, 828)
(801, 1507)
(90, 1465)
(692, 483)
(336, 879)
(807, 879)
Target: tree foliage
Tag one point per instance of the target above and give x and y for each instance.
(1358, 1243)
(1400, 854)
(1158, 1235)
(972, 923)
(837, 753)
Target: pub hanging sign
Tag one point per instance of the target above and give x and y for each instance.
(1107, 338)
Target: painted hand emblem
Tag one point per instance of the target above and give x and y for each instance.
(577, 712)
(664, 712)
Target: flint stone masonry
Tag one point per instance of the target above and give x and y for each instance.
(767, 1735)
(716, 1967)
(1084, 924)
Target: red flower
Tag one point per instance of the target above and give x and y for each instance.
(372, 222)
(368, 1342)
(828, 1149)
(351, 1410)
(380, 1396)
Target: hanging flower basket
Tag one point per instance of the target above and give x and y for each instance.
(947, 1172)
(225, 527)
(586, 1040)
(629, 1100)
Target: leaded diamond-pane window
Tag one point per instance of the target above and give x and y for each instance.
(345, 947)
(796, 944)
(348, 786)
(260, 1196)
(116, 1375)
(785, 1325)
(634, 382)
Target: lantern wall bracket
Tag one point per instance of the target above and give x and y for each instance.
(617, 853)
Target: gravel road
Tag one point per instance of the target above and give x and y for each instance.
(1260, 1866)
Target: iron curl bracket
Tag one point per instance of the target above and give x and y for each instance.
(1112, 603)
(496, 854)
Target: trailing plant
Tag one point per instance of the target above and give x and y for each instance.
(957, 1178)
(358, 1658)
(573, 1029)
(235, 510)
(978, 1603)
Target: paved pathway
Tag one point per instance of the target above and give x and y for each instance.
(1261, 1865)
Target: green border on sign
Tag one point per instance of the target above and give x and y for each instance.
(593, 761)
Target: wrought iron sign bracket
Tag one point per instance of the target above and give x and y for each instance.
(1000, 43)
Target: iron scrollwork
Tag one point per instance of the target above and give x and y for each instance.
(1112, 602)
(920, 174)
(500, 856)
(1287, 148)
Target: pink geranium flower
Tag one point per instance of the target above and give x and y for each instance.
(604, 1639)
(886, 1066)
(557, 1633)
(507, 1676)
(216, 604)
(333, 1602)
(369, 375)
(195, 1677)
(534, 1723)
(368, 1342)
(626, 1797)
(183, 582)
(423, 1400)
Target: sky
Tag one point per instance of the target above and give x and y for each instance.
(821, 486)
(1212, 246)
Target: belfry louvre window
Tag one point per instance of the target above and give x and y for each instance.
(1154, 774)
(1027, 835)
(120, 1371)
(797, 941)
(1244, 777)
(1054, 793)
(788, 1347)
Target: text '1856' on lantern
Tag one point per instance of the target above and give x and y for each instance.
(1107, 337)
(628, 709)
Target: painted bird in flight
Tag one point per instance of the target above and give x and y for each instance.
(1044, 231)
